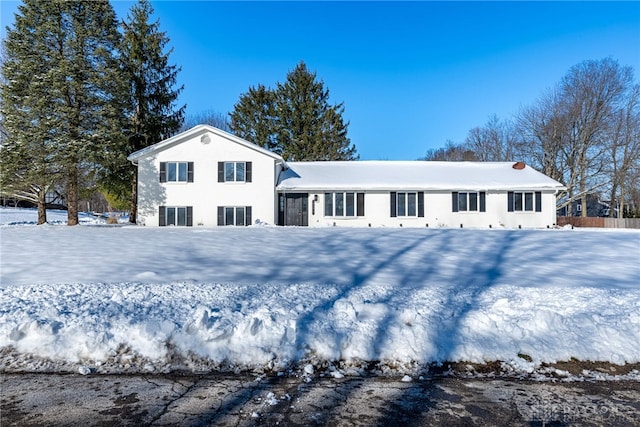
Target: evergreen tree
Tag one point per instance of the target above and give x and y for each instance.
(294, 120)
(28, 74)
(87, 86)
(56, 103)
(253, 118)
(150, 95)
(308, 127)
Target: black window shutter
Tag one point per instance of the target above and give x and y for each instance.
(220, 172)
(220, 215)
(163, 172)
(162, 215)
(189, 216)
(189, 171)
(421, 204)
(454, 201)
(360, 204)
(394, 212)
(247, 172)
(483, 201)
(510, 201)
(538, 201)
(247, 215)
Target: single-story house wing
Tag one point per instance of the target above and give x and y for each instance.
(419, 194)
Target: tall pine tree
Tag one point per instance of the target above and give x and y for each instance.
(150, 94)
(61, 81)
(253, 118)
(27, 70)
(88, 85)
(308, 127)
(295, 120)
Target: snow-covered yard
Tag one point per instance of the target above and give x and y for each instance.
(147, 299)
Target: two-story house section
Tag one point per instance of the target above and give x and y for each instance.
(206, 177)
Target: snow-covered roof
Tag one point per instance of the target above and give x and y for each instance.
(193, 132)
(407, 175)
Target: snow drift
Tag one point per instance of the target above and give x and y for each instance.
(138, 298)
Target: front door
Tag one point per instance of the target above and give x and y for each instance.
(294, 209)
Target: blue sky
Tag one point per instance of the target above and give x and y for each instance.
(412, 75)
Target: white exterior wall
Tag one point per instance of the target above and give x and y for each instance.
(437, 212)
(205, 194)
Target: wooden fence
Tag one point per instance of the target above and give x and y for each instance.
(577, 221)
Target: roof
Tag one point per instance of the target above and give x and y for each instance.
(408, 175)
(194, 132)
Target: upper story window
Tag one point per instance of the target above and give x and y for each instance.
(343, 204)
(524, 201)
(407, 204)
(468, 201)
(176, 171)
(234, 171)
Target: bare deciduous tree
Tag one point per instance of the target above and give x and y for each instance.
(493, 142)
(623, 149)
(451, 152)
(208, 117)
(592, 94)
(575, 130)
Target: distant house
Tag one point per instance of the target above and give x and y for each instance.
(208, 177)
(595, 207)
(53, 200)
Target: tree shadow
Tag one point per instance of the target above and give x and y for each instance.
(151, 193)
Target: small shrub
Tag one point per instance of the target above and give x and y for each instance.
(525, 357)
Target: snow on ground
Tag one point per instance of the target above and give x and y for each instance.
(156, 299)
(24, 216)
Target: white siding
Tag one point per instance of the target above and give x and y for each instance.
(205, 194)
(438, 212)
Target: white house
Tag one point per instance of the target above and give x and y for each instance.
(208, 177)
(205, 176)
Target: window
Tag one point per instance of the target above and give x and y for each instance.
(234, 171)
(176, 171)
(234, 215)
(524, 201)
(339, 204)
(175, 215)
(468, 201)
(344, 204)
(405, 204)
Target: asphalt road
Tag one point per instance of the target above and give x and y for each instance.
(246, 400)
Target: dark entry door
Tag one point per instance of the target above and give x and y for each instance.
(294, 209)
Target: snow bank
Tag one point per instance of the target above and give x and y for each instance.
(266, 297)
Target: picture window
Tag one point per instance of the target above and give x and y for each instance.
(343, 204)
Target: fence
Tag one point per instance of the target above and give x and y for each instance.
(599, 222)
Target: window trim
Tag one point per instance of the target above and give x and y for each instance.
(352, 204)
(223, 219)
(166, 166)
(517, 201)
(222, 171)
(479, 199)
(163, 216)
(395, 204)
